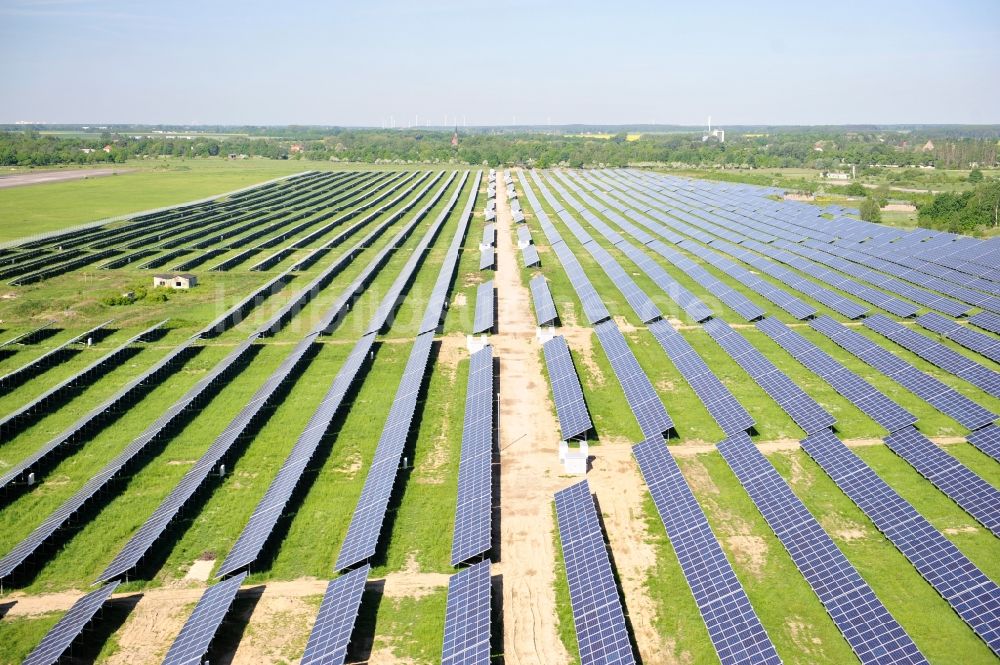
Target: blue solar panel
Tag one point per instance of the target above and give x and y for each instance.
(338, 612)
(987, 321)
(545, 308)
(597, 608)
(366, 524)
(571, 408)
(987, 440)
(639, 392)
(485, 315)
(467, 617)
(862, 394)
(936, 353)
(724, 408)
(733, 625)
(874, 635)
(198, 632)
(472, 534)
(981, 343)
(802, 408)
(972, 594)
(942, 397)
(62, 635)
(976, 496)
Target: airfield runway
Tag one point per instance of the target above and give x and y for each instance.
(40, 177)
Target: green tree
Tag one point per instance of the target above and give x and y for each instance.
(870, 211)
(855, 189)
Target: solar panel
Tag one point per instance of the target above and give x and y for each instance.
(485, 315)
(934, 392)
(262, 521)
(862, 394)
(974, 596)
(61, 636)
(488, 260)
(154, 527)
(571, 408)
(646, 405)
(366, 524)
(530, 255)
(724, 408)
(545, 308)
(597, 609)
(872, 632)
(936, 353)
(987, 440)
(490, 234)
(338, 612)
(58, 519)
(198, 632)
(976, 496)
(733, 625)
(467, 617)
(472, 535)
(802, 408)
(987, 321)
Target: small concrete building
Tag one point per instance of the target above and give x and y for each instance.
(178, 280)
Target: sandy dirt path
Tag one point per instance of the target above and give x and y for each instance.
(529, 466)
(42, 177)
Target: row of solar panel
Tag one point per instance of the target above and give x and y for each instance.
(261, 523)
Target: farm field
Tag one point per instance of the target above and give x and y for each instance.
(316, 421)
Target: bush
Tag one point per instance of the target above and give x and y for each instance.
(870, 211)
(856, 189)
(975, 176)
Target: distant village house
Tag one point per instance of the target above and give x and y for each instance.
(180, 280)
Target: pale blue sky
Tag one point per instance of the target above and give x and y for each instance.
(358, 63)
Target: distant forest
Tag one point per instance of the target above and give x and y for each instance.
(761, 147)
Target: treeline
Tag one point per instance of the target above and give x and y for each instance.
(825, 150)
(972, 211)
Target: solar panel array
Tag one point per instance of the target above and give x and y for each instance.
(485, 316)
(62, 635)
(331, 634)
(984, 345)
(261, 524)
(733, 626)
(802, 408)
(942, 397)
(987, 321)
(987, 440)
(154, 527)
(976, 496)
(593, 306)
(597, 610)
(972, 594)
(472, 534)
(196, 636)
(159, 428)
(937, 354)
(718, 400)
(545, 308)
(571, 408)
(41, 406)
(872, 632)
(467, 617)
(869, 399)
(646, 405)
(369, 515)
(46, 361)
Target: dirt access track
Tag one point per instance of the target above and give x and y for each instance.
(42, 177)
